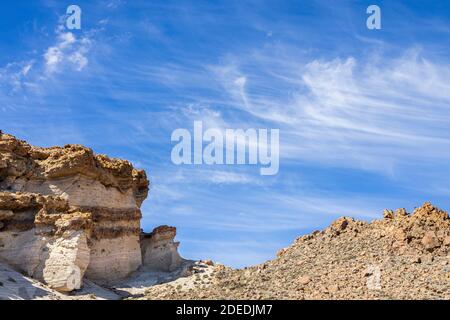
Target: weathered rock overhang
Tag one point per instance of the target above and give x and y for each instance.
(66, 212)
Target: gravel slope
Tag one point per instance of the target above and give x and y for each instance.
(402, 256)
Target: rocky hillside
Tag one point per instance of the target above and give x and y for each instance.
(402, 256)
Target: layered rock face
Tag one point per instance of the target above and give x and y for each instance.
(159, 251)
(66, 212)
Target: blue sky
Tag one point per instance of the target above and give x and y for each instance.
(363, 114)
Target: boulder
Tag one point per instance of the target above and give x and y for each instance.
(430, 241)
(446, 241)
(67, 262)
(304, 280)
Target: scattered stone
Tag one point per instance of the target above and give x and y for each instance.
(416, 259)
(446, 241)
(333, 288)
(430, 241)
(427, 259)
(388, 214)
(281, 252)
(304, 280)
(340, 224)
(209, 262)
(401, 212)
(398, 245)
(400, 235)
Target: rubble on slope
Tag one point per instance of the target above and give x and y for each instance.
(403, 256)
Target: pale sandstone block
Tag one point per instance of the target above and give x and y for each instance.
(67, 262)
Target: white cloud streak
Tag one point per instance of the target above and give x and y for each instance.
(347, 112)
(67, 52)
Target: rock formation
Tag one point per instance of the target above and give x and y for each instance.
(66, 213)
(159, 251)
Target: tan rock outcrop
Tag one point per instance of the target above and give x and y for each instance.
(159, 251)
(66, 212)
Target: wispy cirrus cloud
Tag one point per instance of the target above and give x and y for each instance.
(14, 75)
(352, 112)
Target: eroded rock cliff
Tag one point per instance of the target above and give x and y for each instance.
(66, 213)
